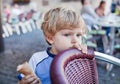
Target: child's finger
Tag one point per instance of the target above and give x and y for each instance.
(28, 76)
(78, 47)
(84, 48)
(29, 79)
(36, 81)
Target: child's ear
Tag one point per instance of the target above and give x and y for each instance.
(49, 39)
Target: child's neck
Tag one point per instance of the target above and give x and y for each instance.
(53, 51)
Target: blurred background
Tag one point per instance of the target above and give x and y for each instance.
(21, 35)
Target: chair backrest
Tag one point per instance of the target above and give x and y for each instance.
(74, 67)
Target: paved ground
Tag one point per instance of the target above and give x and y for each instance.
(17, 50)
(20, 48)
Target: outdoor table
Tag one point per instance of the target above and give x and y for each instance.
(112, 21)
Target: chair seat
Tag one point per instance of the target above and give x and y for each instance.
(91, 44)
(117, 46)
(97, 32)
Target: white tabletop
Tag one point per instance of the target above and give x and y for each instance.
(111, 20)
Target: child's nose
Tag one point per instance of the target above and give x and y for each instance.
(74, 40)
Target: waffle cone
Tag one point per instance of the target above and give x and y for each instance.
(25, 69)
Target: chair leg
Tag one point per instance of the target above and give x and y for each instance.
(38, 23)
(105, 43)
(22, 26)
(28, 26)
(109, 67)
(5, 32)
(9, 28)
(16, 29)
(32, 24)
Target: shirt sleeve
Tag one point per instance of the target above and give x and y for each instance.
(36, 58)
(32, 62)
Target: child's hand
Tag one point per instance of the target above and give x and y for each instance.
(82, 47)
(30, 79)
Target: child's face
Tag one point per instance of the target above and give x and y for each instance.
(65, 39)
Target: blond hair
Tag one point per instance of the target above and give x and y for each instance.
(60, 18)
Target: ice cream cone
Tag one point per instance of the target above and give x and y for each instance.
(25, 69)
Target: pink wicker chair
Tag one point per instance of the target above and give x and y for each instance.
(74, 67)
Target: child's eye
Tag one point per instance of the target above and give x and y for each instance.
(78, 35)
(66, 34)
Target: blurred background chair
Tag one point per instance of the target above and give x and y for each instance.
(74, 67)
